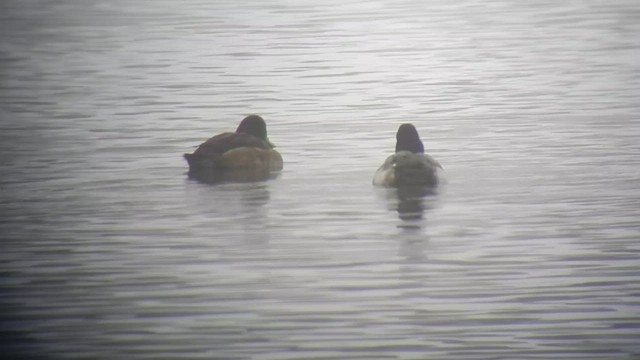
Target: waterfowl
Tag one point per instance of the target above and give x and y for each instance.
(243, 155)
(409, 166)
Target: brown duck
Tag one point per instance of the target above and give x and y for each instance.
(244, 155)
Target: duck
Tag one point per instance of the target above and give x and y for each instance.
(243, 155)
(409, 166)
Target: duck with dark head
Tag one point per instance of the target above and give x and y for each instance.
(410, 176)
(243, 155)
(409, 166)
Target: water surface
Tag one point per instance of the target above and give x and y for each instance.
(530, 250)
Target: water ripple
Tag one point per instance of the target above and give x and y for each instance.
(529, 251)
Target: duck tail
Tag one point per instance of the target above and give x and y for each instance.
(416, 176)
(203, 167)
(190, 159)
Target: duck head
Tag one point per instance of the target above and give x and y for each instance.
(407, 139)
(256, 126)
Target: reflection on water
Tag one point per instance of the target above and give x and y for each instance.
(411, 203)
(531, 250)
(238, 175)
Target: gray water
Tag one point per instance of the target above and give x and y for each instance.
(530, 251)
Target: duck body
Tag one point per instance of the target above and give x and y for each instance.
(244, 155)
(409, 166)
(408, 169)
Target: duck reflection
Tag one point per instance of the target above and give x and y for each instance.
(410, 203)
(253, 224)
(233, 208)
(255, 197)
(234, 176)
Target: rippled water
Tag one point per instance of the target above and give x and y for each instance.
(531, 251)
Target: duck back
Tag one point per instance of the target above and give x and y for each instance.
(415, 170)
(224, 142)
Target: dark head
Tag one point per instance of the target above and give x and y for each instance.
(408, 139)
(253, 125)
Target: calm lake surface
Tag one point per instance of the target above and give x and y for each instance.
(530, 251)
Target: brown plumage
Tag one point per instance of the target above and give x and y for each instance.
(245, 155)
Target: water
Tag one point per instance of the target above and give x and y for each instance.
(530, 251)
